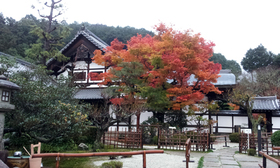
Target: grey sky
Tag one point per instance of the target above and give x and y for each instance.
(233, 25)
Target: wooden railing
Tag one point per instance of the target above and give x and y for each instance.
(266, 156)
(188, 152)
(58, 155)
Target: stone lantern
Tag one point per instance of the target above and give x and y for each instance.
(6, 88)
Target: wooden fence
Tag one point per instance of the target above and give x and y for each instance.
(169, 139)
(266, 145)
(123, 139)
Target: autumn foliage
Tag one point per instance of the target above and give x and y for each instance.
(168, 60)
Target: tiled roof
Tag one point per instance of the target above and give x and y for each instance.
(91, 37)
(227, 78)
(88, 35)
(21, 64)
(266, 103)
(88, 94)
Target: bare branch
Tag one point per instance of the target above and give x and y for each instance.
(57, 14)
(46, 3)
(43, 16)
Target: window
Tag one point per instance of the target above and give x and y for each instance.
(5, 95)
(95, 75)
(80, 76)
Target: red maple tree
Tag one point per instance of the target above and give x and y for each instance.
(169, 59)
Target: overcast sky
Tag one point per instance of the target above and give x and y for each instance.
(234, 26)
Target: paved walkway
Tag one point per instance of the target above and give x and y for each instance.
(228, 157)
(222, 157)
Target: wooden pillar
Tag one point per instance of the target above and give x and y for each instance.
(217, 124)
(138, 121)
(232, 123)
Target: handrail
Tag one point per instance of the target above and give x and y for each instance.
(188, 151)
(57, 155)
(266, 156)
(275, 148)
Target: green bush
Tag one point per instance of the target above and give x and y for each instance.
(275, 138)
(251, 152)
(155, 140)
(234, 137)
(112, 164)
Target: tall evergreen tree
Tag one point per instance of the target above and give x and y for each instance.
(227, 64)
(50, 35)
(257, 58)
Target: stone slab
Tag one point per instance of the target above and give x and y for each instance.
(229, 162)
(211, 159)
(211, 164)
(227, 158)
(230, 166)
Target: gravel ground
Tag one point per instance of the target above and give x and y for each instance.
(168, 159)
(152, 160)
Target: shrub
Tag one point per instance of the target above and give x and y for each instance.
(275, 138)
(251, 152)
(234, 137)
(112, 164)
(155, 140)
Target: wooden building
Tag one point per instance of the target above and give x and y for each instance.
(80, 53)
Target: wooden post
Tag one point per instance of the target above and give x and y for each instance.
(144, 159)
(259, 140)
(138, 121)
(264, 162)
(159, 132)
(57, 160)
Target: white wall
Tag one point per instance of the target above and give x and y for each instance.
(224, 121)
(276, 122)
(242, 121)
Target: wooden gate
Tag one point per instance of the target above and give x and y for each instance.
(122, 139)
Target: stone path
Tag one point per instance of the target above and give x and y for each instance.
(229, 158)
(222, 157)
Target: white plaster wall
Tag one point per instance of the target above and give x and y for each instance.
(224, 121)
(240, 121)
(276, 122)
(145, 115)
(94, 65)
(80, 65)
(224, 130)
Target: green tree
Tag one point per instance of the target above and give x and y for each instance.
(6, 65)
(257, 58)
(125, 102)
(7, 38)
(45, 110)
(227, 64)
(50, 36)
